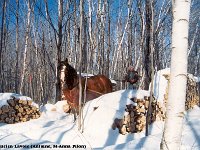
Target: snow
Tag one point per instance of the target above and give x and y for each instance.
(5, 96)
(160, 84)
(55, 127)
(57, 107)
(197, 79)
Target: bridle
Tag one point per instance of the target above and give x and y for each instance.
(63, 72)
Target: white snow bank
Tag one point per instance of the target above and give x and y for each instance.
(160, 84)
(190, 136)
(52, 127)
(58, 107)
(151, 142)
(98, 123)
(197, 79)
(19, 140)
(48, 107)
(59, 128)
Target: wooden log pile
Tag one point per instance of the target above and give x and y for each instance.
(135, 121)
(18, 110)
(192, 92)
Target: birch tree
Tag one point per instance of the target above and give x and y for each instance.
(26, 45)
(178, 76)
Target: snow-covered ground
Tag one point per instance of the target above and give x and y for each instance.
(56, 128)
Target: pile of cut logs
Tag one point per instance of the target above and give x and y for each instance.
(18, 111)
(135, 121)
(192, 93)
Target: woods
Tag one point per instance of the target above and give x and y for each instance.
(101, 37)
(116, 34)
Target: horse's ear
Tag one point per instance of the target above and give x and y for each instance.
(66, 61)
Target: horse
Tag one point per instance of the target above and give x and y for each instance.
(93, 86)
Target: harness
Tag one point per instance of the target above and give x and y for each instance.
(73, 101)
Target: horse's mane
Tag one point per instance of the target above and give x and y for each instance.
(71, 76)
(95, 86)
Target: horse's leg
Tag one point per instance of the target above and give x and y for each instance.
(74, 113)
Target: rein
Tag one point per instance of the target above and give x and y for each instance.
(88, 89)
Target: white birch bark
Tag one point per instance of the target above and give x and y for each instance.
(178, 76)
(26, 45)
(90, 20)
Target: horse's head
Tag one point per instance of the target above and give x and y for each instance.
(69, 75)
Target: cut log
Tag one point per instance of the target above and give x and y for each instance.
(17, 107)
(5, 108)
(11, 102)
(30, 102)
(4, 116)
(123, 130)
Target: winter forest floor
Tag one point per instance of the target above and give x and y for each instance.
(56, 128)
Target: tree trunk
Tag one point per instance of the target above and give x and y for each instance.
(59, 50)
(17, 48)
(109, 42)
(147, 51)
(1, 46)
(178, 76)
(149, 110)
(80, 66)
(130, 59)
(26, 46)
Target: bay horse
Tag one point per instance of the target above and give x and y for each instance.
(93, 86)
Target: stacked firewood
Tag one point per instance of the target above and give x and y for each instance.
(18, 111)
(192, 92)
(135, 120)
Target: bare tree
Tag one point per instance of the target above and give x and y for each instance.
(80, 66)
(151, 45)
(1, 44)
(147, 51)
(26, 45)
(58, 34)
(17, 48)
(59, 50)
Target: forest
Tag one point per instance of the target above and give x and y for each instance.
(36, 35)
(47, 46)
